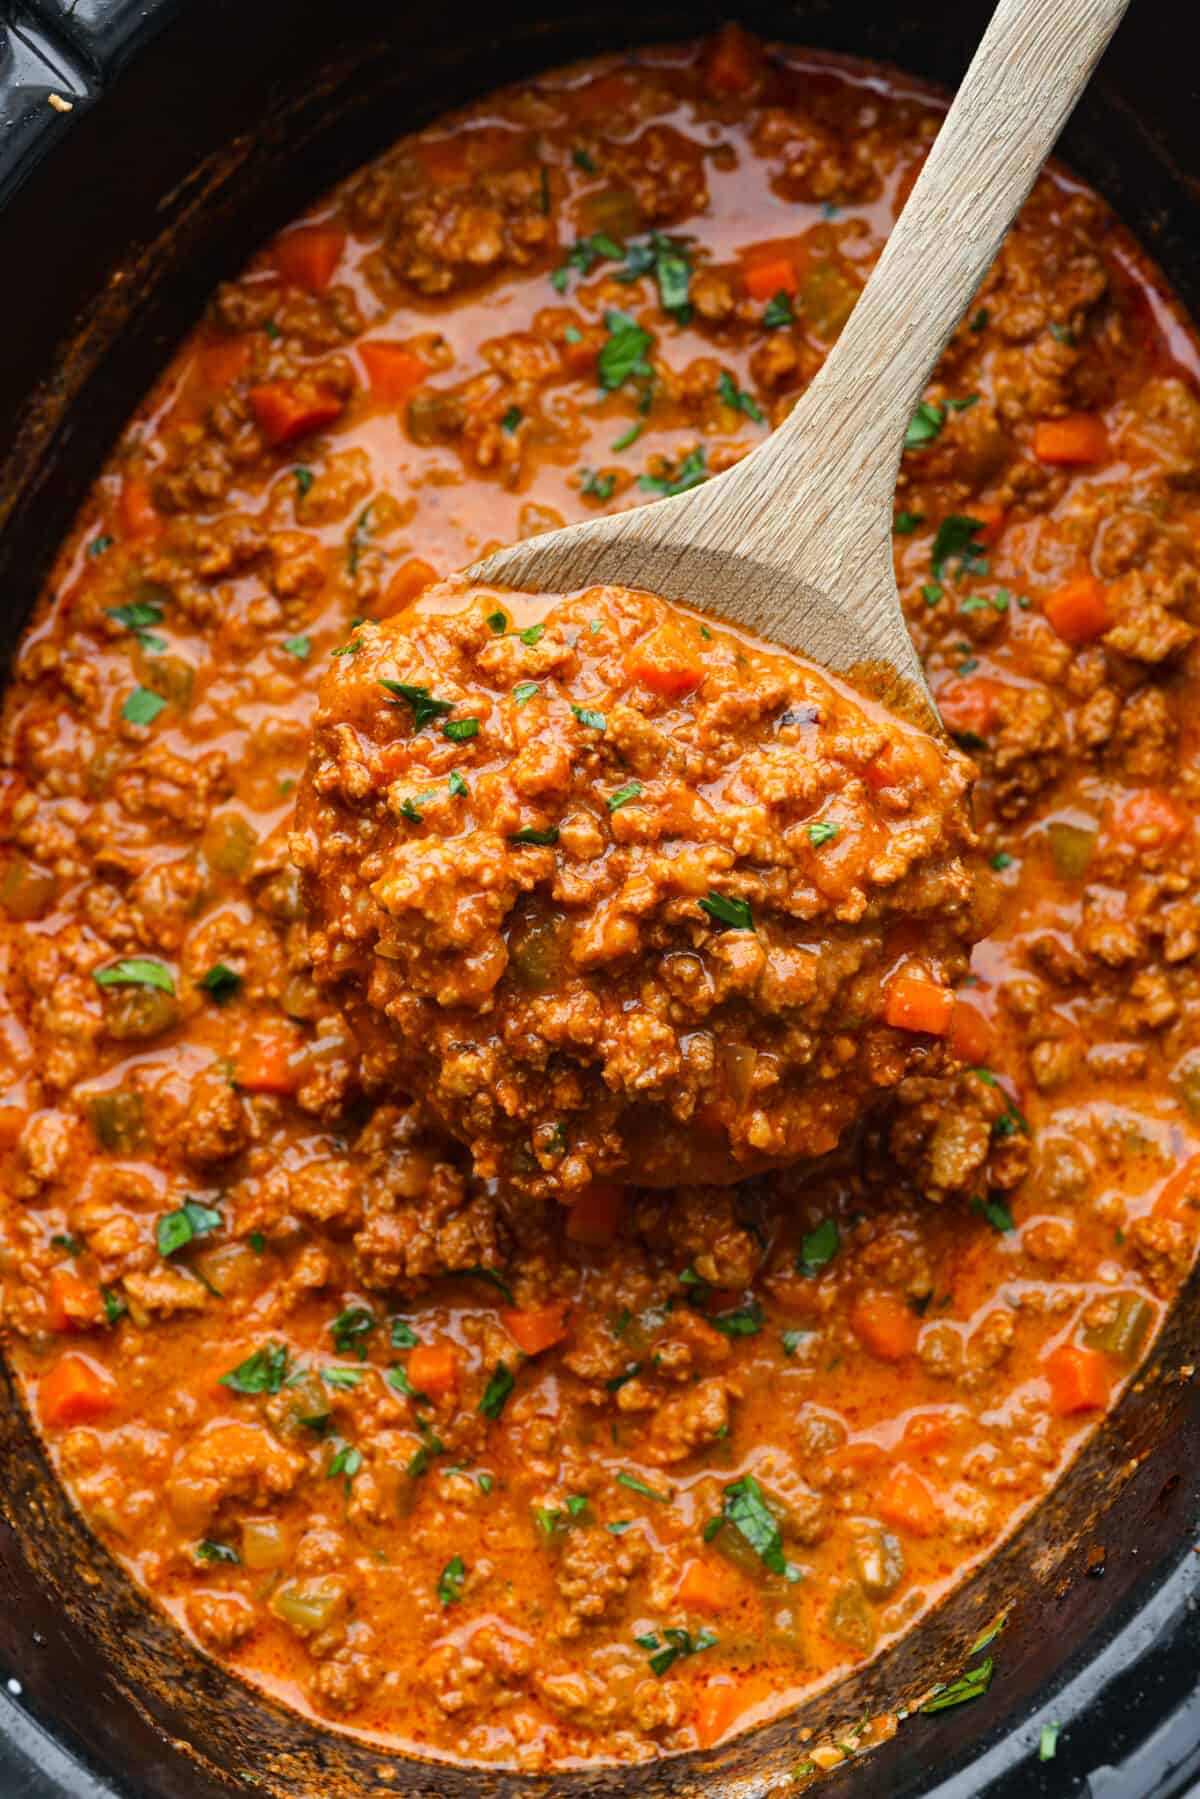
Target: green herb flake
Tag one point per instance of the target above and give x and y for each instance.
(460, 730)
(496, 1393)
(358, 540)
(594, 721)
(735, 913)
(818, 1248)
(932, 592)
(955, 541)
(138, 616)
(1001, 860)
(996, 1213)
(779, 311)
(730, 394)
(511, 419)
(208, 1551)
(343, 1379)
(99, 544)
(346, 1461)
(299, 647)
(623, 356)
(532, 634)
(136, 971)
(524, 691)
(595, 485)
(971, 1685)
(457, 785)
(632, 790)
(629, 436)
(530, 835)
(691, 472)
(746, 1321)
(142, 706)
(424, 707)
(746, 1510)
(821, 832)
(493, 1278)
(114, 1306)
(173, 1230)
(793, 1340)
(403, 1336)
(1060, 333)
(979, 322)
(678, 1643)
(263, 1372)
(350, 1330)
(498, 622)
(257, 1242)
(220, 982)
(1048, 1742)
(304, 479)
(64, 1241)
(905, 523)
(639, 1486)
(583, 161)
(581, 257)
(450, 1581)
(925, 426)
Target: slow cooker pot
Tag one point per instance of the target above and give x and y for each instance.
(182, 133)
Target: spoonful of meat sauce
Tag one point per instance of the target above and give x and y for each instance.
(623, 894)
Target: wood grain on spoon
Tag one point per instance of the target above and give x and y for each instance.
(795, 541)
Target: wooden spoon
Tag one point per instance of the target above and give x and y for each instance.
(795, 541)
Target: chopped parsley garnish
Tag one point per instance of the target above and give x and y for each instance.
(208, 1551)
(793, 1340)
(779, 311)
(639, 1486)
(176, 1229)
(424, 706)
(350, 1330)
(345, 1461)
(142, 706)
(450, 1581)
(931, 592)
(745, 1509)
(619, 1526)
(1048, 1742)
(1060, 333)
(263, 1372)
(620, 1380)
(905, 523)
(299, 647)
(669, 260)
(410, 808)
(594, 721)
(138, 617)
(623, 357)
(495, 1394)
(343, 1378)
(583, 161)
(532, 634)
(691, 472)
(403, 1336)
(220, 982)
(581, 257)
(632, 790)
(511, 419)
(971, 1685)
(493, 1277)
(460, 730)
(821, 832)
(996, 1213)
(721, 909)
(629, 436)
(597, 486)
(114, 1306)
(348, 649)
(397, 1377)
(981, 318)
(817, 1248)
(498, 622)
(304, 481)
(358, 539)
(533, 836)
(955, 541)
(924, 426)
(63, 1240)
(257, 1242)
(678, 1642)
(523, 691)
(457, 785)
(136, 971)
(99, 544)
(747, 1321)
(1001, 860)
(730, 394)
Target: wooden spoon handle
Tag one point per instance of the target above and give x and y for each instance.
(841, 445)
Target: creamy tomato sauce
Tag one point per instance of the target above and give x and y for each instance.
(436, 1460)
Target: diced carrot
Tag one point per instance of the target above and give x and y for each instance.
(717, 1710)
(72, 1304)
(705, 1586)
(989, 520)
(579, 358)
(285, 412)
(222, 361)
(885, 1326)
(732, 63)
(433, 1368)
(1079, 1379)
(857, 1461)
(927, 1432)
(309, 255)
(12, 1123)
(75, 1391)
(968, 708)
(1078, 610)
(915, 1002)
(136, 509)
(410, 579)
(905, 1501)
(595, 1217)
(392, 370)
(538, 1328)
(1150, 819)
(666, 661)
(267, 1064)
(1179, 1199)
(1078, 439)
(970, 1032)
(765, 277)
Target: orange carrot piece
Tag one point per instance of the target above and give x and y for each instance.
(770, 276)
(595, 1217)
(284, 413)
(1078, 610)
(1079, 1379)
(72, 1304)
(970, 1032)
(915, 1002)
(1080, 439)
(539, 1327)
(885, 1326)
(268, 1064)
(717, 1711)
(905, 1501)
(392, 371)
(1179, 1199)
(308, 256)
(1150, 819)
(75, 1391)
(990, 519)
(732, 64)
(410, 579)
(666, 661)
(969, 707)
(927, 1432)
(433, 1368)
(136, 509)
(704, 1586)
